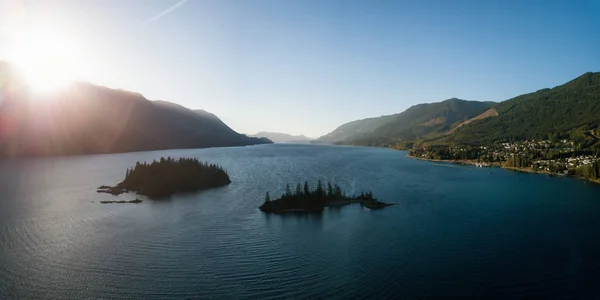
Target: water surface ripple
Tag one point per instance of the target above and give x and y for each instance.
(458, 232)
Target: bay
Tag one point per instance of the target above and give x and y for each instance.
(457, 231)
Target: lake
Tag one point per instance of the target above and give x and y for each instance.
(457, 231)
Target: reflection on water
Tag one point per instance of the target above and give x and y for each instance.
(457, 231)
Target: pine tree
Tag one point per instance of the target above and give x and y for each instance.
(319, 188)
(306, 189)
(338, 191)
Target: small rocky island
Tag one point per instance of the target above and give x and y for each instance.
(169, 176)
(308, 200)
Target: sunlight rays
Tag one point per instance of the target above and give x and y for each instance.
(44, 54)
(47, 60)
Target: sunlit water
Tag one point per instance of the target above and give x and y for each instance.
(457, 231)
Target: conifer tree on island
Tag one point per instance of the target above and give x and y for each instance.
(315, 200)
(169, 176)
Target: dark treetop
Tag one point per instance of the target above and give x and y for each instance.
(305, 199)
(169, 176)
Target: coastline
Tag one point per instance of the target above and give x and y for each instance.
(498, 165)
(455, 161)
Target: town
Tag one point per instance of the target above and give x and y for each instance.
(564, 156)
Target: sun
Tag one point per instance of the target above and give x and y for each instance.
(47, 60)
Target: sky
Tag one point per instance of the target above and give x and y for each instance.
(306, 67)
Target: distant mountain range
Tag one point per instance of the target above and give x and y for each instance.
(417, 122)
(277, 137)
(86, 119)
(570, 110)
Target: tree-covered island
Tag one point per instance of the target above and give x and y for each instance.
(169, 176)
(307, 200)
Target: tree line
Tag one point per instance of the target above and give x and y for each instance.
(309, 198)
(319, 193)
(168, 176)
(590, 171)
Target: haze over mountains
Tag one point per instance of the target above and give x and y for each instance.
(278, 137)
(569, 110)
(86, 119)
(417, 122)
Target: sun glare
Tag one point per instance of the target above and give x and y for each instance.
(47, 60)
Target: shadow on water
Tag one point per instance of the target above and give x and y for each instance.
(296, 218)
(334, 210)
(181, 196)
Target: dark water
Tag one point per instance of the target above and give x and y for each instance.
(458, 231)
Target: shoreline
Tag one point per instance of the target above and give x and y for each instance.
(497, 165)
(456, 162)
(371, 204)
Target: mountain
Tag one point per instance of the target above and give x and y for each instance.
(571, 110)
(86, 119)
(277, 137)
(355, 128)
(417, 122)
(207, 115)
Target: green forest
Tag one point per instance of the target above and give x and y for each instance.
(591, 171)
(568, 111)
(571, 110)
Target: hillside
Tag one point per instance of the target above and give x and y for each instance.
(492, 112)
(565, 111)
(417, 122)
(354, 128)
(86, 119)
(277, 137)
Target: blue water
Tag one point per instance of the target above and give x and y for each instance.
(457, 232)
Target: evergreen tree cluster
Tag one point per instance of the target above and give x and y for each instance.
(307, 193)
(590, 171)
(168, 176)
(308, 198)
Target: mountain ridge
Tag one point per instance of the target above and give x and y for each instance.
(278, 137)
(89, 119)
(568, 110)
(565, 110)
(417, 121)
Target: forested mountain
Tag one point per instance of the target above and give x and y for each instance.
(91, 119)
(277, 137)
(571, 110)
(417, 122)
(354, 128)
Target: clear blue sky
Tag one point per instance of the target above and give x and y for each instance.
(309, 66)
